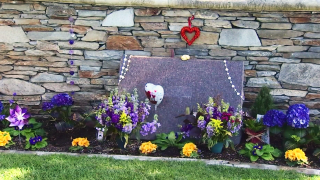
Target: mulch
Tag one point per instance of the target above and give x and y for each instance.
(61, 141)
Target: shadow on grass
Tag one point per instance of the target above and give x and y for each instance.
(29, 167)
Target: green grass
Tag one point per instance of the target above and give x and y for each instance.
(29, 167)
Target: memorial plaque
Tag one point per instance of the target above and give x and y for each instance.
(185, 84)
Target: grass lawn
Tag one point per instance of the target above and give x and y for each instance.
(63, 167)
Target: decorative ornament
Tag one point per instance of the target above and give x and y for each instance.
(71, 51)
(124, 68)
(154, 93)
(185, 57)
(229, 78)
(190, 30)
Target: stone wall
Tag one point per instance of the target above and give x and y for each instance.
(279, 49)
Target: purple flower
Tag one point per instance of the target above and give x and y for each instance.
(38, 138)
(231, 109)
(254, 152)
(11, 102)
(186, 130)
(274, 118)
(71, 41)
(62, 99)
(71, 52)
(71, 19)
(225, 116)
(18, 117)
(32, 141)
(72, 82)
(202, 124)
(14, 94)
(115, 118)
(298, 116)
(149, 128)
(210, 131)
(2, 117)
(71, 73)
(71, 62)
(72, 93)
(127, 128)
(1, 107)
(47, 106)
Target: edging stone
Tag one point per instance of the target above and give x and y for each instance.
(146, 158)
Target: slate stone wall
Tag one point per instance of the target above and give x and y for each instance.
(279, 49)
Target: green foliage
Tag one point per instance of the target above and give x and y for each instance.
(294, 138)
(254, 125)
(254, 151)
(263, 102)
(172, 139)
(36, 146)
(75, 148)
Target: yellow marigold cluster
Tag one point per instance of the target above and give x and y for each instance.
(296, 155)
(80, 142)
(4, 138)
(147, 147)
(188, 149)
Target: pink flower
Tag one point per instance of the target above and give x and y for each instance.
(18, 117)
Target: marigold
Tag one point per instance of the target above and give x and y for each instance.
(188, 149)
(4, 138)
(147, 147)
(296, 155)
(80, 142)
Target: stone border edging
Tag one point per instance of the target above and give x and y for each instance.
(146, 158)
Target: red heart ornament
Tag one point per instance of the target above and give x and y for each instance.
(190, 30)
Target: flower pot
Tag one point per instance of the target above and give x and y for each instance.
(121, 142)
(237, 139)
(254, 137)
(217, 148)
(63, 126)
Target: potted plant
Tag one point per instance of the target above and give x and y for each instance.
(262, 104)
(121, 114)
(254, 129)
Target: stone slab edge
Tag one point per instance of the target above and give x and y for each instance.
(146, 158)
(256, 5)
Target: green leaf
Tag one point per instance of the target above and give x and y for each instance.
(267, 156)
(268, 148)
(302, 141)
(179, 137)
(249, 146)
(40, 132)
(316, 152)
(291, 163)
(275, 130)
(164, 148)
(32, 121)
(290, 145)
(300, 132)
(126, 137)
(259, 152)
(27, 145)
(36, 125)
(276, 152)
(288, 133)
(41, 144)
(254, 158)
(242, 152)
(172, 136)
(69, 111)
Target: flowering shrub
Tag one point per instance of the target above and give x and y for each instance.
(147, 148)
(122, 113)
(298, 116)
(296, 156)
(79, 144)
(274, 118)
(5, 139)
(59, 107)
(189, 150)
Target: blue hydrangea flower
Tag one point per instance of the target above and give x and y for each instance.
(47, 106)
(298, 116)
(62, 99)
(274, 118)
(1, 107)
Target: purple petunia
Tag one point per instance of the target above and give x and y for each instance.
(298, 116)
(274, 118)
(18, 117)
(62, 99)
(47, 106)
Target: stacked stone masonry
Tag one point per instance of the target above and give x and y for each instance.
(279, 49)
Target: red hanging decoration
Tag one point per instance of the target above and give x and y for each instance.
(190, 30)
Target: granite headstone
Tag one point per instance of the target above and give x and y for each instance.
(185, 84)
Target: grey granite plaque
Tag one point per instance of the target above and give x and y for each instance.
(185, 84)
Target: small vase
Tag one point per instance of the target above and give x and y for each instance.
(217, 148)
(237, 139)
(121, 142)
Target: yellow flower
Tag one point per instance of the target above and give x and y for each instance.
(185, 57)
(4, 138)
(296, 155)
(147, 147)
(124, 118)
(188, 149)
(80, 142)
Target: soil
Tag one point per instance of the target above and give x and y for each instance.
(61, 141)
